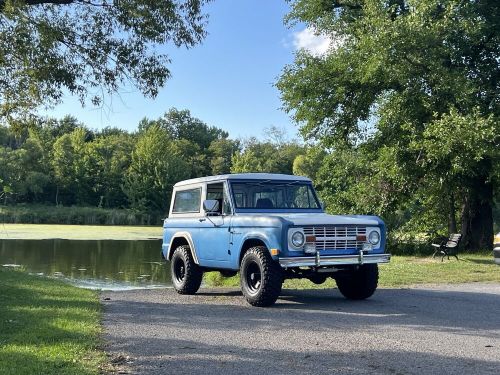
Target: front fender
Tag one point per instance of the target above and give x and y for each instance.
(271, 237)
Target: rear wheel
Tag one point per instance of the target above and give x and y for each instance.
(360, 283)
(186, 274)
(261, 277)
(318, 279)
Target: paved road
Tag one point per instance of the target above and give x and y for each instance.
(431, 330)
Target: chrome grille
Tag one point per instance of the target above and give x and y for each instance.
(336, 237)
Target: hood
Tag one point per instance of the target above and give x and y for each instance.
(326, 219)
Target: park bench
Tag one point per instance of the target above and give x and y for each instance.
(448, 247)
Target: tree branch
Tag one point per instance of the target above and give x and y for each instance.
(38, 2)
(57, 2)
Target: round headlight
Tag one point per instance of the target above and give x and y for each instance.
(374, 237)
(298, 239)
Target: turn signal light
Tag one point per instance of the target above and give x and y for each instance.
(310, 238)
(275, 252)
(361, 237)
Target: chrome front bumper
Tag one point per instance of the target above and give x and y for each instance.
(334, 260)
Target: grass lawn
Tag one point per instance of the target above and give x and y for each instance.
(47, 327)
(405, 271)
(78, 232)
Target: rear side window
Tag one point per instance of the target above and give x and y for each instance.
(187, 201)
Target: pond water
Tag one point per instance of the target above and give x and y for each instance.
(97, 264)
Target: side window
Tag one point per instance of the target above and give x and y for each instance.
(239, 199)
(217, 192)
(226, 206)
(187, 201)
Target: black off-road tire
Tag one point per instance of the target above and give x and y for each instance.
(186, 274)
(318, 279)
(261, 277)
(360, 283)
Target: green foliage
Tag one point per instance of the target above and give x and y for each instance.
(107, 158)
(69, 157)
(221, 153)
(180, 124)
(157, 164)
(24, 170)
(460, 141)
(215, 279)
(63, 162)
(48, 327)
(406, 104)
(206, 149)
(276, 154)
(309, 163)
(89, 49)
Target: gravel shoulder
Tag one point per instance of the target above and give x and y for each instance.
(420, 330)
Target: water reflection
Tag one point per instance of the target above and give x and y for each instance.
(99, 264)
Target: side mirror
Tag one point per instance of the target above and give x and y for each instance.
(211, 206)
(322, 204)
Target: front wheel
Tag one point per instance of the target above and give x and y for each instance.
(360, 283)
(261, 277)
(186, 274)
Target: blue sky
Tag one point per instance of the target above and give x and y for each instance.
(227, 81)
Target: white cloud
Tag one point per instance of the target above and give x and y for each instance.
(314, 43)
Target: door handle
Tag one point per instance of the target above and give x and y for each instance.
(200, 220)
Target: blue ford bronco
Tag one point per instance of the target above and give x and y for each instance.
(269, 227)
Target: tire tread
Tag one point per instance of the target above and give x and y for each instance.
(272, 278)
(193, 273)
(359, 284)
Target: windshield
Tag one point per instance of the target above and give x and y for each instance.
(274, 195)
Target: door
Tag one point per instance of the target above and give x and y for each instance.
(214, 233)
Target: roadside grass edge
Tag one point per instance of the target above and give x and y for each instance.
(403, 271)
(48, 327)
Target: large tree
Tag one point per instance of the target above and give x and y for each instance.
(275, 154)
(89, 48)
(157, 164)
(180, 124)
(419, 80)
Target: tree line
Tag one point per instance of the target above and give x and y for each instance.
(63, 162)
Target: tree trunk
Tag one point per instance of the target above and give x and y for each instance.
(477, 216)
(452, 220)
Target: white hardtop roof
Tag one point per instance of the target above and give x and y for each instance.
(244, 176)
